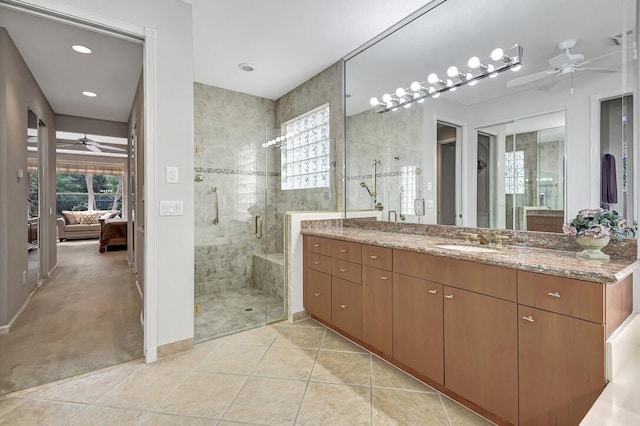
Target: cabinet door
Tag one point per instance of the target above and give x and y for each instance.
(481, 350)
(346, 306)
(561, 367)
(377, 303)
(317, 294)
(417, 325)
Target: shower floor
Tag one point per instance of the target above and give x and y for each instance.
(235, 310)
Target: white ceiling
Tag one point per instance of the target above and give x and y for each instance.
(288, 41)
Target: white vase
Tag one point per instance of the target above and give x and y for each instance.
(591, 247)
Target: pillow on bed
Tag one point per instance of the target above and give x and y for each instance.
(89, 218)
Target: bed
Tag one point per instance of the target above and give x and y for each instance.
(113, 232)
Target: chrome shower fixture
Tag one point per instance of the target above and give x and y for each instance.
(364, 185)
(199, 178)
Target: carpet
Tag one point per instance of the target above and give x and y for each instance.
(85, 317)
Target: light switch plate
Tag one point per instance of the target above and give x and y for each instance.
(171, 208)
(429, 204)
(172, 174)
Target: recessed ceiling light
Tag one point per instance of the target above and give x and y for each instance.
(90, 94)
(246, 67)
(81, 49)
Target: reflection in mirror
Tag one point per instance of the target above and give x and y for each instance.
(574, 52)
(520, 174)
(33, 200)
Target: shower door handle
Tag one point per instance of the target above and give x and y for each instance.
(258, 227)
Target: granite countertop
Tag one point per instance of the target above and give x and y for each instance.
(541, 260)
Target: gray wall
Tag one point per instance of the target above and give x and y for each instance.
(18, 91)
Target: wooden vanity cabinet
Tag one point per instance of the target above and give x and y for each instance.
(481, 350)
(377, 315)
(418, 325)
(346, 306)
(317, 294)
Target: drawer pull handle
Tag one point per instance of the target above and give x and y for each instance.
(343, 269)
(316, 294)
(529, 318)
(316, 262)
(433, 291)
(384, 277)
(373, 256)
(448, 296)
(343, 306)
(554, 294)
(316, 245)
(343, 250)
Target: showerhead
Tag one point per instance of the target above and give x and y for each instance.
(364, 185)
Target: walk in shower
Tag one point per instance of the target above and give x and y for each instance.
(239, 263)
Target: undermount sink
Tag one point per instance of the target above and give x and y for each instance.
(468, 249)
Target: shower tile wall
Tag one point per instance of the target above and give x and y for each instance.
(383, 137)
(229, 131)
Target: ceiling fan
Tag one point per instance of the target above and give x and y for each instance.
(90, 144)
(564, 64)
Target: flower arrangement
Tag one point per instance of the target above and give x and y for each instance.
(599, 223)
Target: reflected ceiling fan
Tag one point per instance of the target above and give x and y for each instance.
(564, 64)
(90, 144)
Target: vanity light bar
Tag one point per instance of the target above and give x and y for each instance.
(475, 69)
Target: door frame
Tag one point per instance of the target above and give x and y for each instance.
(147, 36)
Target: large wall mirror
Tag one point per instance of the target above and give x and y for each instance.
(34, 229)
(503, 138)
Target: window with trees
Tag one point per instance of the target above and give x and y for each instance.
(88, 192)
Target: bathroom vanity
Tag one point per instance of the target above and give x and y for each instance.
(516, 333)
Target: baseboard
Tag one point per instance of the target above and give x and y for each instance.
(175, 348)
(50, 273)
(299, 316)
(6, 329)
(139, 290)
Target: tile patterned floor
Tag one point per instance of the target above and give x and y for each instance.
(284, 374)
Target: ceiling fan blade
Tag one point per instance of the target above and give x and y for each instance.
(530, 78)
(111, 148)
(64, 145)
(601, 70)
(93, 148)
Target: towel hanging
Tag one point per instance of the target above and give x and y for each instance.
(608, 181)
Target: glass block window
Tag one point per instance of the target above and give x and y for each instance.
(408, 185)
(514, 172)
(306, 151)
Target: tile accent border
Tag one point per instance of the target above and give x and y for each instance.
(219, 171)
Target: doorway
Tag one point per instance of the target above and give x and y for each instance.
(483, 180)
(448, 158)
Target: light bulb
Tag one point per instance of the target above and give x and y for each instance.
(407, 105)
(474, 62)
(452, 71)
(420, 100)
(493, 75)
(402, 100)
(468, 76)
(453, 89)
(497, 54)
(433, 78)
(435, 95)
(374, 101)
(394, 109)
(400, 92)
(389, 104)
(490, 68)
(386, 98)
(449, 83)
(415, 86)
(416, 95)
(516, 68)
(473, 82)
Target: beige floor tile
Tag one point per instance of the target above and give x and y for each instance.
(144, 389)
(159, 419)
(234, 359)
(267, 401)
(461, 416)
(188, 360)
(257, 336)
(105, 416)
(329, 404)
(286, 363)
(385, 375)
(298, 337)
(203, 395)
(334, 342)
(342, 367)
(86, 389)
(34, 412)
(398, 407)
(8, 404)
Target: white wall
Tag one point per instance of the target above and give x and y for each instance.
(171, 145)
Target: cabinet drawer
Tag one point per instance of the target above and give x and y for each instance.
(318, 245)
(346, 270)
(346, 250)
(319, 262)
(346, 306)
(580, 299)
(410, 263)
(317, 294)
(378, 257)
